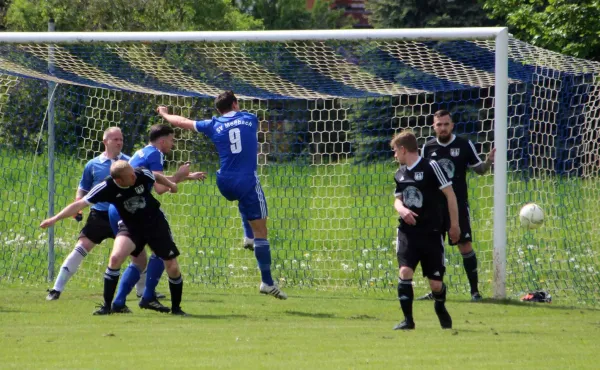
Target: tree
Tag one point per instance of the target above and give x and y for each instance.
(128, 15)
(293, 15)
(427, 13)
(565, 26)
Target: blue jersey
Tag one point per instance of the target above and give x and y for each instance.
(234, 135)
(97, 170)
(149, 157)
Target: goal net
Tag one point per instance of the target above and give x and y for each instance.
(327, 110)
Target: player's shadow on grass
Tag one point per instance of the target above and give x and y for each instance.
(315, 315)
(215, 317)
(512, 302)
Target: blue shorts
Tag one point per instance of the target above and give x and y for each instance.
(246, 189)
(114, 218)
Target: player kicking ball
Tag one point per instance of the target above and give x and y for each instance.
(130, 191)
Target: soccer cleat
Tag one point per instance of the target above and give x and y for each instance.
(272, 290)
(405, 325)
(154, 305)
(476, 297)
(426, 297)
(249, 244)
(102, 310)
(443, 315)
(120, 309)
(53, 295)
(178, 312)
(156, 294)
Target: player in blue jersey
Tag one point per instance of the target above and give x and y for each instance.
(234, 134)
(96, 228)
(150, 157)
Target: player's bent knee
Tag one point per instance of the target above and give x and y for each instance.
(172, 268)
(465, 247)
(435, 285)
(87, 244)
(406, 273)
(259, 228)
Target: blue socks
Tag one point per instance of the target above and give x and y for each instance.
(248, 233)
(155, 269)
(262, 252)
(128, 281)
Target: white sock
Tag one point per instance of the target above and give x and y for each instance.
(70, 267)
(141, 284)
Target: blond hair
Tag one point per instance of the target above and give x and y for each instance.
(117, 168)
(109, 131)
(407, 139)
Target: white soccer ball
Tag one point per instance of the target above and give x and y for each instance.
(531, 216)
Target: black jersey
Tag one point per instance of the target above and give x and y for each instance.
(419, 187)
(136, 205)
(454, 158)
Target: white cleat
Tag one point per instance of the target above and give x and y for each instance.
(248, 244)
(272, 290)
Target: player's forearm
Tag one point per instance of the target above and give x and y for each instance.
(452, 205)
(484, 167)
(399, 206)
(71, 210)
(179, 121)
(164, 181)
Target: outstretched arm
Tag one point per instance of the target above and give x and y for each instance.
(483, 168)
(68, 211)
(163, 180)
(177, 121)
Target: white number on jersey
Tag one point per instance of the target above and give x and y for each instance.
(235, 138)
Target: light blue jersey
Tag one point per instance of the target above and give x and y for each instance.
(97, 170)
(149, 157)
(234, 135)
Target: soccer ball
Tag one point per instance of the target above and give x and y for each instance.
(531, 216)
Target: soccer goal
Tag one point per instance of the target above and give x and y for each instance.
(328, 104)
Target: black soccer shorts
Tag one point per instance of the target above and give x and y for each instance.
(97, 227)
(464, 222)
(157, 236)
(424, 247)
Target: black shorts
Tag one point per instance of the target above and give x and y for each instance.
(464, 222)
(157, 236)
(97, 227)
(426, 248)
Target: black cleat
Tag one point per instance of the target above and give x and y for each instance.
(476, 297)
(443, 315)
(426, 297)
(120, 309)
(178, 312)
(156, 294)
(405, 325)
(102, 310)
(53, 295)
(154, 305)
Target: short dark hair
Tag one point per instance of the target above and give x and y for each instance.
(160, 130)
(442, 113)
(224, 102)
(407, 139)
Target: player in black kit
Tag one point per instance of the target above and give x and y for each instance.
(130, 191)
(422, 188)
(455, 156)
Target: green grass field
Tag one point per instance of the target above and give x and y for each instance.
(311, 330)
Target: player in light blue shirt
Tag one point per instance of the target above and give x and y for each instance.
(150, 157)
(96, 228)
(234, 134)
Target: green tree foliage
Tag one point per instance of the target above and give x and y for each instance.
(565, 26)
(427, 13)
(128, 15)
(293, 15)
